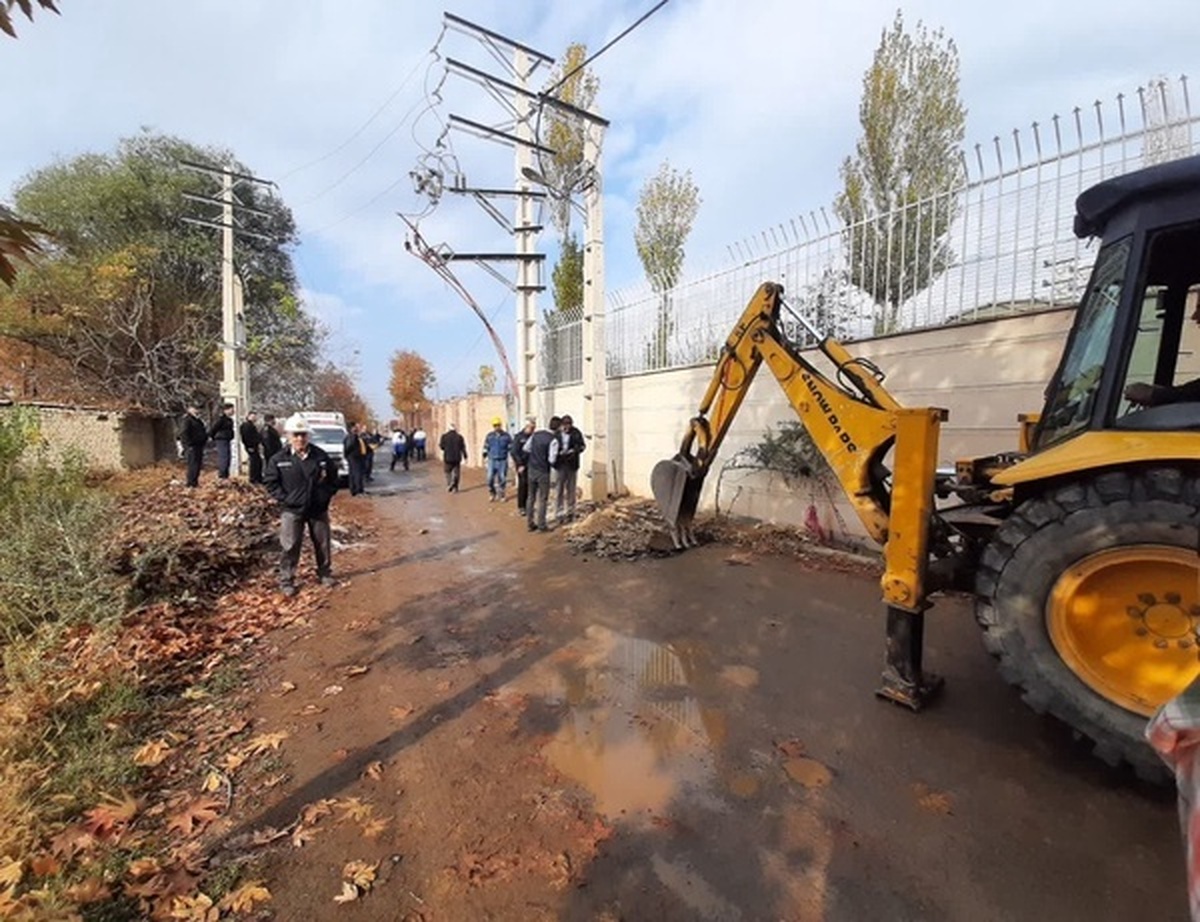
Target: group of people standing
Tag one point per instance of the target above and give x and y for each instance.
(546, 460)
(259, 443)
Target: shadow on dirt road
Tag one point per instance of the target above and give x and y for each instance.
(545, 736)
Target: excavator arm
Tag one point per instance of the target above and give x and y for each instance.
(854, 422)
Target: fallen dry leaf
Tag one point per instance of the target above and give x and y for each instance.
(233, 761)
(302, 835)
(196, 815)
(360, 873)
(44, 865)
(739, 559)
(89, 890)
(141, 868)
(330, 690)
(285, 687)
(934, 801)
(266, 741)
(371, 829)
(349, 893)
(355, 670)
(314, 811)
(11, 871)
(246, 897)
(153, 753)
(309, 709)
(355, 809)
(374, 771)
(402, 712)
(212, 782)
(808, 772)
(198, 908)
(105, 820)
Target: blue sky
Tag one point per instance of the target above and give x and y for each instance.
(759, 100)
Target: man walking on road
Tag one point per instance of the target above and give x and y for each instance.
(222, 433)
(399, 449)
(541, 451)
(252, 442)
(496, 447)
(454, 452)
(193, 436)
(303, 479)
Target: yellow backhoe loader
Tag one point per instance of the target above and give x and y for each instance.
(1081, 546)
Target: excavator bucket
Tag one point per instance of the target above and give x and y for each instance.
(677, 492)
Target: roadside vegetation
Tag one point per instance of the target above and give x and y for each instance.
(128, 623)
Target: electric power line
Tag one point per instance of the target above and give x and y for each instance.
(658, 6)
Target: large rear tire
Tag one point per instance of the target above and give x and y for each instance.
(1090, 598)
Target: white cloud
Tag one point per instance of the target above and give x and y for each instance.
(759, 100)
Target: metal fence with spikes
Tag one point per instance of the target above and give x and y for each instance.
(1001, 243)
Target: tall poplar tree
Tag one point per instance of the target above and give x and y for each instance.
(898, 197)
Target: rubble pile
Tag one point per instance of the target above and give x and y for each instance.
(626, 528)
(629, 529)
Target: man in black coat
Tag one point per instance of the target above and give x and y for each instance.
(271, 442)
(193, 436)
(252, 442)
(540, 451)
(303, 479)
(454, 452)
(221, 432)
(517, 453)
(354, 449)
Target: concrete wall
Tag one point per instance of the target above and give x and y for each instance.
(473, 416)
(984, 373)
(111, 440)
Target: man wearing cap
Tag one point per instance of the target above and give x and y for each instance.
(303, 478)
(193, 435)
(454, 452)
(520, 463)
(566, 468)
(221, 432)
(496, 447)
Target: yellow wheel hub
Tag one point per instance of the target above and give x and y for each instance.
(1126, 622)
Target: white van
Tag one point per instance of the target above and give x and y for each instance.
(328, 431)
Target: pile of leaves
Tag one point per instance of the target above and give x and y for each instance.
(122, 753)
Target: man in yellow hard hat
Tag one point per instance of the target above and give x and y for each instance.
(496, 447)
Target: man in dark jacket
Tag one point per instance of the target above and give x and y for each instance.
(271, 442)
(193, 436)
(571, 445)
(252, 442)
(303, 479)
(221, 432)
(541, 451)
(354, 449)
(454, 452)
(518, 457)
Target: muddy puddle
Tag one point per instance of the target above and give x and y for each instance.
(630, 729)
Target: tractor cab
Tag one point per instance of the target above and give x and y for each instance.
(1135, 344)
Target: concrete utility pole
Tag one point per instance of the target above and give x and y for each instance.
(595, 372)
(235, 379)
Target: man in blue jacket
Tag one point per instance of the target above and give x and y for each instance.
(496, 447)
(303, 478)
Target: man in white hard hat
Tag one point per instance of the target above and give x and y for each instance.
(303, 478)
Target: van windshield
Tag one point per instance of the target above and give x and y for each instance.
(327, 434)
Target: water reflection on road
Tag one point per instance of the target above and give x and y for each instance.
(632, 732)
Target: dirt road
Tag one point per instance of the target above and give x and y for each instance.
(538, 735)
